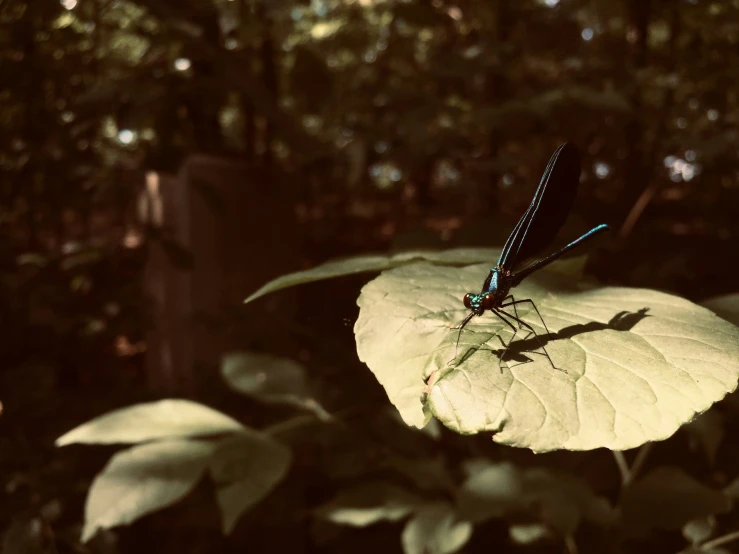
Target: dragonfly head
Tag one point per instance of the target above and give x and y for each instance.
(478, 303)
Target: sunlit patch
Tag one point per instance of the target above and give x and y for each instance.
(127, 136)
(182, 64)
(602, 170)
(682, 170)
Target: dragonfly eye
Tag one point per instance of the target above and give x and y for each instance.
(467, 301)
(488, 301)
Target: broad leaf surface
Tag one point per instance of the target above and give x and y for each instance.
(435, 529)
(245, 468)
(152, 421)
(639, 363)
(368, 504)
(143, 479)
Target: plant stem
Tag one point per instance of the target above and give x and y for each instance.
(289, 424)
(720, 540)
(623, 467)
(641, 457)
(628, 474)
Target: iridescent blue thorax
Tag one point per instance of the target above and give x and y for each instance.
(494, 290)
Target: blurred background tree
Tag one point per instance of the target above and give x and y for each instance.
(390, 124)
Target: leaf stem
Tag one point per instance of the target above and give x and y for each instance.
(641, 457)
(628, 474)
(288, 424)
(720, 540)
(623, 467)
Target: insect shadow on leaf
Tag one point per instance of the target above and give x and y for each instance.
(622, 321)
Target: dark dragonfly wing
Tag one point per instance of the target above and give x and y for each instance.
(548, 210)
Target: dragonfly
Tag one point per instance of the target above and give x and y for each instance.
(520, 257)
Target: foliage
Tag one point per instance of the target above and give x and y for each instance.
(539, 505)
(390, 121)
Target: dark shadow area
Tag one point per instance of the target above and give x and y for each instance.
(622, 321)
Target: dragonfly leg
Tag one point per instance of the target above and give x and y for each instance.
(515, 310)
(515, 331)
(531, 330)
(464, 322)
(513, 303)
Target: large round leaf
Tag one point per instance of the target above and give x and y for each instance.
(638, 363)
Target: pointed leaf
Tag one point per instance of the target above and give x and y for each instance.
(141, 480)
(152, 421)
(252, 373)
(246, 467)
(364, 264)
(272, 379)
(639, 363)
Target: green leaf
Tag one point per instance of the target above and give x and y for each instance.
(435, 529)
(667, 498)
(364, 264)
(152, 421)
(246, 468)
(368, 504)
(255, 374)
(528, 533)
(271, 379)
(141, 480)
(699, 530)
(561, 501)
(726, 306)
(639, 363)
(491, 490)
